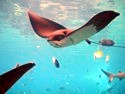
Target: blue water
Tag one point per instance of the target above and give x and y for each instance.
(79, 72)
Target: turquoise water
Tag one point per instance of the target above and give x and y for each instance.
(79, 72)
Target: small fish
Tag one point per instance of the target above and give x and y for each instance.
(98, 54)
(107, 58)
(107, 42)
(55, 62)
(61, 88)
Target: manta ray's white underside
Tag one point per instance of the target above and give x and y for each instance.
(77, 37)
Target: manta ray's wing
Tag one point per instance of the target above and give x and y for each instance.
(9, 78)
(94, 25)
(42, 26)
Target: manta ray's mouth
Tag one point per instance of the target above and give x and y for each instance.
(54, 43)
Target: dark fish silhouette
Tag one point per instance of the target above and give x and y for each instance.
(8, 79)
(105, 42)
(55, 62)
(59, 36)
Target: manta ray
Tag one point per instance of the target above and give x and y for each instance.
(8, 79)
(59, 36)
(111, 76)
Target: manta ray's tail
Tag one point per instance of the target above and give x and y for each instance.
(109, 75)
(9, 78)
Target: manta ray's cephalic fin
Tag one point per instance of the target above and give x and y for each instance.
(9, 78)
